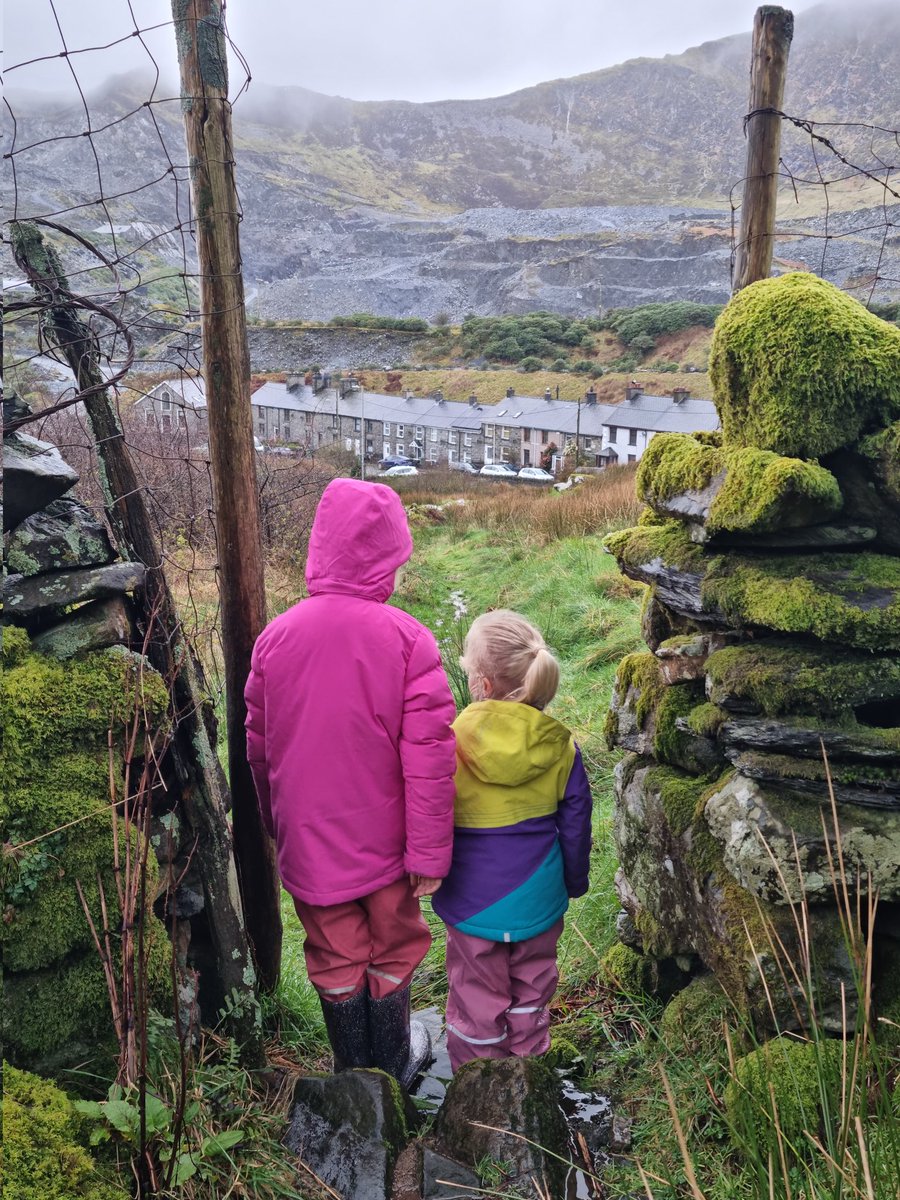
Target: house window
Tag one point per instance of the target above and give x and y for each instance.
(308, 418)
(286, 415)
(387, 429)
(632, 458)
(467, 439)
(420, 434)
(357, 425)
(401, 449)
(166, 401)
(632, 437)
(261, 425)
(432, 454)
(370, 446)
(432, 435)
(545, 436)
(286, 430)
(588, 443)
(401, 431)
(526, 435)
(504, 432)
(613, 433)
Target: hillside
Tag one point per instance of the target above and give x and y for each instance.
(604, 190)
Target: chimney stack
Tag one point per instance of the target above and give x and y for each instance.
(590, 396)
(634, 390)
(510, 392)
(548, 395)
(680, 394)
(473, 400)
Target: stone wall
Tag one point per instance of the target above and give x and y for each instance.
(773, 626)
(294, 348)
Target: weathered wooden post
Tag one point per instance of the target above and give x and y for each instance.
(773, 29)
(200, 34)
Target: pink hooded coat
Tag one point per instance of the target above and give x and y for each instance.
(349, 712)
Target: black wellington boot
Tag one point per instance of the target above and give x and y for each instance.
(347, 1024)
(399, 1046)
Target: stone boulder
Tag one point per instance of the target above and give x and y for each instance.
(93, 626)
(34, 474)
(507, 1109)
(33, 599)
(349, 1129)
(63, 535)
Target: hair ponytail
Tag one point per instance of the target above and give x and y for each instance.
(506, 649)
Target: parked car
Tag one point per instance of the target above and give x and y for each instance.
(535, 475)
(396, 472)
(465, 467)
(396, 460)
(499, 471)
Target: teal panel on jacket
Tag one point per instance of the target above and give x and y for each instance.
(532, 908)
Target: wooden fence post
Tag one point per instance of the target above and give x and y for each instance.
(773, 29)
(200, 35)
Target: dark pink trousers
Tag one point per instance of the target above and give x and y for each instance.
(378, 939)
(499, 993)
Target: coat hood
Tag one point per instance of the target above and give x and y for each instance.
(360, 536)
(507, 743)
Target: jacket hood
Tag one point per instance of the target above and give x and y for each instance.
(360, 536)
(507, 743)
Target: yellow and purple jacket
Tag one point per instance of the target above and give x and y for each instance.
(522, 823)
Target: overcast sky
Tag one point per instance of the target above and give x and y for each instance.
(376, 49)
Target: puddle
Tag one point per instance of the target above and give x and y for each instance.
(588, 1114)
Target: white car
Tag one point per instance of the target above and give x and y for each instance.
(395, 472)
(499, 471)
(535, 475)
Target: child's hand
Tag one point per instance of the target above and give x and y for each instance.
(423, 886)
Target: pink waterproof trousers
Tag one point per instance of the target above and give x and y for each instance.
(378, 939)
(499, 993)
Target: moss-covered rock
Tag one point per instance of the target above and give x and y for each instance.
(736, 490)
(850, 599)
(55, 803)
(775, 678)
(45, 1153)
(786, 1084)
(694, 1020)
(883, 451)
(801, 368)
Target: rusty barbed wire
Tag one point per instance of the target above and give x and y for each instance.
(830, 156)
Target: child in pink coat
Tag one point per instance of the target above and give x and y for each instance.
(521, 848)
(349, 740)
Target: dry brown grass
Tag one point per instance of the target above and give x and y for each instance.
(602, 502)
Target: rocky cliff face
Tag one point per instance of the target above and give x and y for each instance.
(611, 188)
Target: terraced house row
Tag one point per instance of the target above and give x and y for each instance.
(521, 430)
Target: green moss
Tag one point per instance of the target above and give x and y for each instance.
(670, 743)
(45, 1153)
(627, 971)
(15, 645)
(706, 719)
(641, 672)
(610, 728)
(884, 450)
(799, 1082)
(759, 491)
(777, 679)
(850, 599)
(799, 367)
(679, 794)
(694, 1019)
(641, 544)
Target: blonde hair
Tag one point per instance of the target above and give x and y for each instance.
(506, 649)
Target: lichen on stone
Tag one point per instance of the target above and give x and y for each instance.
(801, 368)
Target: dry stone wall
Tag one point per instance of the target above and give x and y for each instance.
(772, 622)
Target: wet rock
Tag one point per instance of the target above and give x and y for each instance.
(407, 1181)
(34, 474)
(349, 1129)
(626, 930)
(775, 844)
(490, 1102)
(94, 626)
(63, 535)
(807, 739)
(166, 832)
(588, 1114)
(852, 783)
(814, 537)
(41, 596)
(446, 1179)
(683, 659)
(620, 1137)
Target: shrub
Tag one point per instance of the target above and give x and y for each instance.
(585, 366)
(530, 363)
(559, 364)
